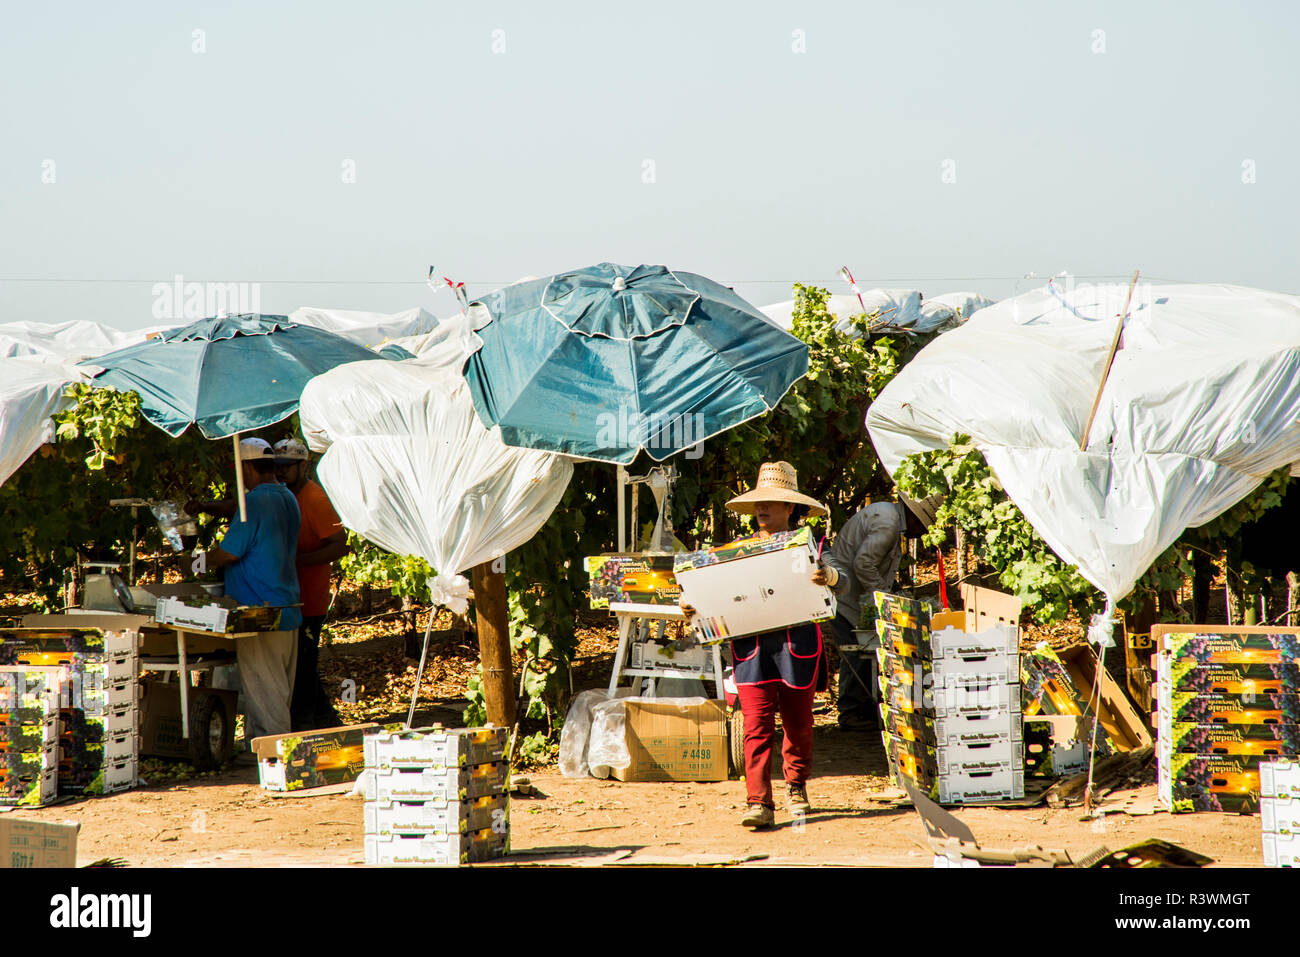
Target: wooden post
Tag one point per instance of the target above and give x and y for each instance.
(494, 644)
(1110, 360)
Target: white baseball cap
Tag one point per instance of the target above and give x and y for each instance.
(250, 450)
(290, 450)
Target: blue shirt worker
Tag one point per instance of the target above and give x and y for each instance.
(258, 558)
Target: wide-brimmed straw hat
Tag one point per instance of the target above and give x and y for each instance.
(777, 482)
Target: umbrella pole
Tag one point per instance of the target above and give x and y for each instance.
(621, 484)
(419, 672)
(1110, 359)
(239, 480)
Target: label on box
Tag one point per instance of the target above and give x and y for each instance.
(1209, 782)
(434, 748)
(311, 759)
(642, 578)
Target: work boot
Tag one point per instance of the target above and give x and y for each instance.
(797, 798)
(758, 816)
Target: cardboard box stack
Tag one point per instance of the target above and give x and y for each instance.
(1279, 811)
(1226, 703)
(97, 676)
(951, 705)
(436, 798)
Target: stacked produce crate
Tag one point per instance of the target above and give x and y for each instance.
(436, 797)
(1227, 701)
(29, 728)
(1279, 810)
(951, 705)
(97, 748)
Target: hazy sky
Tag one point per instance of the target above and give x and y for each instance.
(331, 152)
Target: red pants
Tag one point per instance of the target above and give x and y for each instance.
(759, 704)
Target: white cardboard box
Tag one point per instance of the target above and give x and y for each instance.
(956, 698)
(436, 817)
(1280, 815)
(651, 655)
(433, 748)
(448, 850)
(174, 611)
(996, 667)
(995, 641)
(1281, 850)
(434, 784)
(980, 754)
(1005, 783)
(758, 593)
(1278, 778)
(952, 727)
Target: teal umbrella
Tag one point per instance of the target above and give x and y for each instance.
(603, 362)
(227, 375)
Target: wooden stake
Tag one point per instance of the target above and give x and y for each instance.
(494, 644)
(1110, 359)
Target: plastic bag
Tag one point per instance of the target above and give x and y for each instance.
(576, 734)
(607, 742)
(174, 523)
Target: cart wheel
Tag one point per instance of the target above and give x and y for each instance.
(736, 742)
(209, 733)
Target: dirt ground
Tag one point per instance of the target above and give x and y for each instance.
(228, 821)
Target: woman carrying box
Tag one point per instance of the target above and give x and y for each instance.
(779, 670)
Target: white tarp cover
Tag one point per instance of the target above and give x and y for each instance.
(902, 308)
(370, 329)
(1201, 405)
(31, 390)
(68, 341)
(409, 466)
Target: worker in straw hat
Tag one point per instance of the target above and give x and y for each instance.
(779, 671)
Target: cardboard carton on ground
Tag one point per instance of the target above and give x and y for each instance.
(311, 759)
(1281, 850)
(434, 747)
(639, 578)
(766, 589)
(668, 741)
(1057, 745)
(1119, 719)
(28, 789)
(26, 843)
(437, 784)
(429, 850)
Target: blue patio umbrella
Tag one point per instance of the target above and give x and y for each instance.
(226, 375)
(600, 363)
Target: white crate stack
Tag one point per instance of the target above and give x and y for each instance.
(29, 744)
(102, 712)
(1279, 812)
(436, 798)
(971, 748)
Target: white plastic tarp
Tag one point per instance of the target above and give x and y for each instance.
(68, 341)
(370, 329)
(900, 308)
(409, 466)
(31, 390)
(1201, 405)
